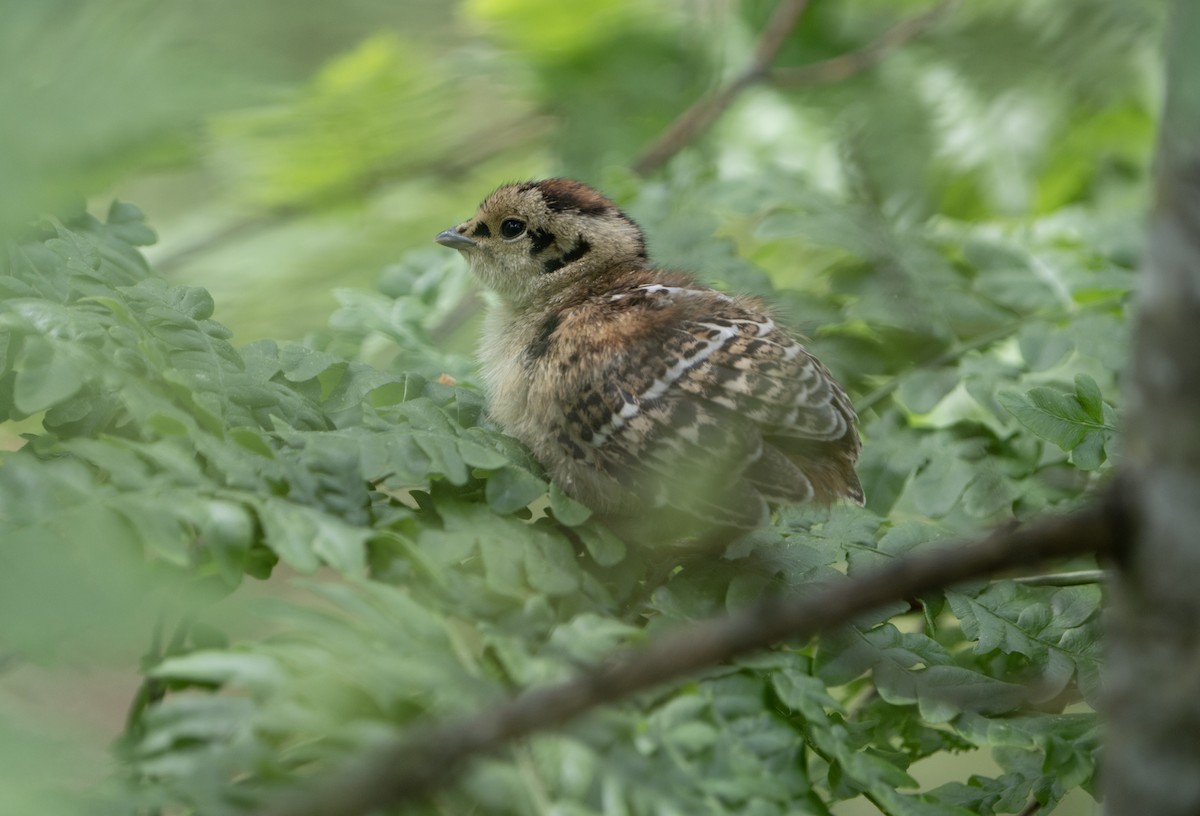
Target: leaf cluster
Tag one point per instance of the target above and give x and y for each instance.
(466, 576)
(166, 468)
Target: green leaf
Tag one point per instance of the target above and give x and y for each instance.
(805, 694)
(299, 363)
(944, 692)
(247, 671)
(1018, 289)
(129, 224)
(474, 448)
(568, 511)
(989, 494)
(550, 564)
(46, 375)
(1088, 394)
(1058, 636)
(511, 488)
(938, 486)
(604, 546)
(503, 558)
(1090, 454)
(922, 390)
(1056, 417)
(305, 537)
(1043, 345)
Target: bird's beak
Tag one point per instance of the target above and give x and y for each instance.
(454, 239)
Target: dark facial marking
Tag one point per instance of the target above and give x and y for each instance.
(541, 344)
(574, 254)
(578, 251)
(481, 231)
(539, 240)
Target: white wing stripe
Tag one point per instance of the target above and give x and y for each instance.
(660, 385)
(654, 288)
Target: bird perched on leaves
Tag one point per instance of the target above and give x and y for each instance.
(645, 394)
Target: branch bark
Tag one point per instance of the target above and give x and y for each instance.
(411, 769)
(1152, 751)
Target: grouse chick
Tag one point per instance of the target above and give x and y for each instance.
(645, 394)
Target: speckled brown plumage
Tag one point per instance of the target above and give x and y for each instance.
(642, 392)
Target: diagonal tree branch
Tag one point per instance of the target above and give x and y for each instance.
(847, 65)
(411, 769)
(701, 115)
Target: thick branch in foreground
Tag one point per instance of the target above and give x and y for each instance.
(413, 768)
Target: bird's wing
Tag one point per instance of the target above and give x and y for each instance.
(683, 419)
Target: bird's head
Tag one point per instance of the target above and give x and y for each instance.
(531, 241)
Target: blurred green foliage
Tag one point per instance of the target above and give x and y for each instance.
(955, 229)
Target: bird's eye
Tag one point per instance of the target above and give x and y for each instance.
(512, 228)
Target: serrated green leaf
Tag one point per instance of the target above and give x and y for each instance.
(442, 453)
(75, 248)
(166, 424)
(1043, 345)
(1089, 454)
(938, 486)
(477, 454)
(45, 376)
(944, 692)
(511, 488)
(922, 390)
(1088, 394)
(305, 537)
(193, 301)
(805, 694)
(1018, 289)
(252, 440)
(1056, 417)
(550, 564)
(248, 671)
(604, 546)
(128, 223)
(989, 494)
(503, 559)
(299, 363)
(1007, 618)
(568, 511)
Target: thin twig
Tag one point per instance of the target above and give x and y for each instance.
(1065, 579)
(410, 769)
(499, 138)
(846, 65)
(700, 116)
